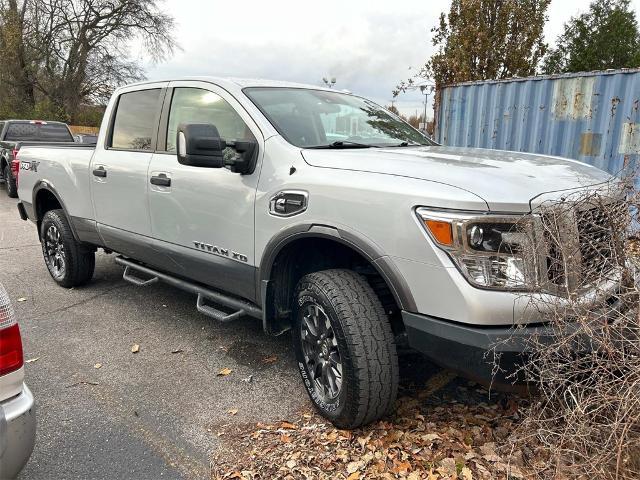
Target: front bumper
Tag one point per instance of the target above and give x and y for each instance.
(17, 432)
(485, 354)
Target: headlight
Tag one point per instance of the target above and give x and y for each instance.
(491, 251)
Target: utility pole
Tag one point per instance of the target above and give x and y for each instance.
(426, 91)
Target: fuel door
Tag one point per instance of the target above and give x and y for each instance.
(288, 203)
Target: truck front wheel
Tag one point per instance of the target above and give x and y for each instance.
(70, 263)
(10, 182)
(345, 348)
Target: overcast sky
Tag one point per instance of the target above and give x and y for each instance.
(367, 45)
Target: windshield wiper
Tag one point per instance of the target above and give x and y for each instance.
(408, 144)
(345, 144)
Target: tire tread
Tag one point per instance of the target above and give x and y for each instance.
(371, 340)
(80, 259)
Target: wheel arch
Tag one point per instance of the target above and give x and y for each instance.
(45, 198)
(347, 242)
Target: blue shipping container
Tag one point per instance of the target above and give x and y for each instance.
(593, 117)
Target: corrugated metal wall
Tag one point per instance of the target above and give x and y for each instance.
(592, 117)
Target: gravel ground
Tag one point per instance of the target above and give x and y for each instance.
(153, 414)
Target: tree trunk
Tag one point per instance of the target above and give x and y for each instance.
(18, 64)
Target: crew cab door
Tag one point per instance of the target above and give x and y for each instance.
(119, 170)
(203, 218)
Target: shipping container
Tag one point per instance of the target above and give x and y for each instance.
(593, 117)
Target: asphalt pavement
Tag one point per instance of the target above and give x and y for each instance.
(105, 412)
(153, 414)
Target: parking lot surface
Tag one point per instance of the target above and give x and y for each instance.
(106, 412)
(152, 414)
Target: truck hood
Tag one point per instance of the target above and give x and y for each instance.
(507, 181)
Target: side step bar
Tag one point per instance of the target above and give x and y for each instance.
(241, 307)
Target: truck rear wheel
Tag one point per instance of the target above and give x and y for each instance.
(10, 182)
(70, 263)
(345, 348)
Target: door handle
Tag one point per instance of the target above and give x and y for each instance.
(100, 172)
(161, 180)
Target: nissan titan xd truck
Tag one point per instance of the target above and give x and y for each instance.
(315, 211)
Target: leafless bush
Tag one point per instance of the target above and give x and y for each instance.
(584, 360)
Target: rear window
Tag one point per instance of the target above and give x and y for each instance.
(38, 132)
(135, 120)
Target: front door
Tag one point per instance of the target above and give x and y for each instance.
(203, 218)
(119, 172)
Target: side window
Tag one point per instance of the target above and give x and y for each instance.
(1, 128)
(135, 120)
(194, 105)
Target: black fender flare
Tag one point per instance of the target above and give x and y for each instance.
(356, 241)
(46, 185)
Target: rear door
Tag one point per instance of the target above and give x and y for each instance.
(119, 171)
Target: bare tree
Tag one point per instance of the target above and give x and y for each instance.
(77, 50)
(16, 72)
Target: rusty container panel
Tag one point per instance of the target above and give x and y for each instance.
(593, 117)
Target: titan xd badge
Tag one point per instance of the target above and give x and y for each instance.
(222, 252)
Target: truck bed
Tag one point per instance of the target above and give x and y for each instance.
(65, 166)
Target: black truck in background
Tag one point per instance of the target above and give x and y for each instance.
(17, 133)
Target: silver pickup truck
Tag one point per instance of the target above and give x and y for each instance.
(312, 210)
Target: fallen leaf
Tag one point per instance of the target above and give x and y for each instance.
(354, 476)
(22, 299)
(466, 473)
(224, 372)
(354, 467)
(291, 464)
(400, 467)
(31, 360)
(271, 359)
(233, 411)
(447, 467)
(135, 348)
(97, 365)
(288, 426)
(431, 437)
(492, 458)
(284, 438)
(362, 441)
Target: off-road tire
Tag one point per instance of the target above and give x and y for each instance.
(79, 259)
(10, 182)
(365, 342)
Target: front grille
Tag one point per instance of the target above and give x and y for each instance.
(582, 248)
(555, 259)
(596, 240)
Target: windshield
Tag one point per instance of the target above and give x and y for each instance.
(322, 119)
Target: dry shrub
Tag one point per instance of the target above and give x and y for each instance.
(584, 418)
